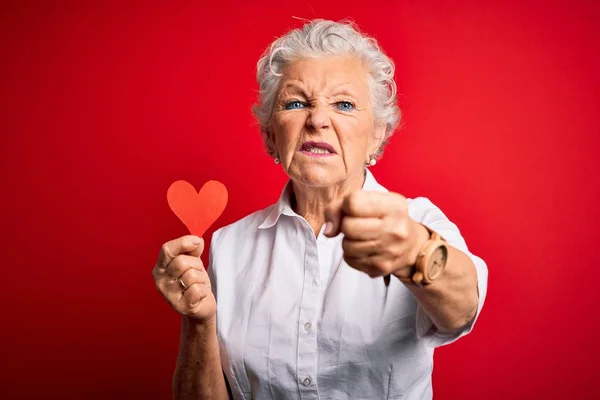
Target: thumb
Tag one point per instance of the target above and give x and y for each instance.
(334, 213)
(198, 249)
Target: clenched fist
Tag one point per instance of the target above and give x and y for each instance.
(379, 236)
(181, 278)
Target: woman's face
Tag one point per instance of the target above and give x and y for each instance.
(322, 127)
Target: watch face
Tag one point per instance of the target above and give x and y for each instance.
(438, 262)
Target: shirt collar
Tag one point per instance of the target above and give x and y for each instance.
(284, 206)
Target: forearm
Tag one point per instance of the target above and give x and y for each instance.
(198, 374)
(450, 301)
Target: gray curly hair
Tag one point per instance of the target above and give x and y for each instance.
(319, 38)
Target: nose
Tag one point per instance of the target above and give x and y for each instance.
(318, 118)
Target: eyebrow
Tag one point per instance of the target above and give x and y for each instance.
(293, 87)
(339, 89)
(343, 88)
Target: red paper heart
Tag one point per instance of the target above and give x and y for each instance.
(197, 210)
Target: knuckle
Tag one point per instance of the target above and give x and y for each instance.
(346, 245)
(195, 289)
(179, 266)
(158, 276)
(177, 263)
(376, 246)
(378, 224)
(193, 296)
(402, 198)
(399, 198)
(346, 225)
(387, 266)
(195, 276)
(353, 202)
(393, 265)
(160, 286)
(189, 275)
(379, 265)
(402, 229)
(383, 265)
(165, 249)
(198, 264)
(400, 203)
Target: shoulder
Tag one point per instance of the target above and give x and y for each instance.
(230, 249)
(243, 228)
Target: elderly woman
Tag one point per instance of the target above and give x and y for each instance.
(341, 289)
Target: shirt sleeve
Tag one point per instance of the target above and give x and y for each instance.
(424, 211)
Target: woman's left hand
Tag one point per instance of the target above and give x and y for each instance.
(379, 236)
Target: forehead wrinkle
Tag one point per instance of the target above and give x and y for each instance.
(325, 80)
(341, 89)
(301, 79)
(304, 87)
(291, 88)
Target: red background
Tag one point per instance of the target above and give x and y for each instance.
(104, 105)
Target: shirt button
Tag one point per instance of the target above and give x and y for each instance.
(307, 381)
(307, 326)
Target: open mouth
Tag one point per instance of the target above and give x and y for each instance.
(319, 148)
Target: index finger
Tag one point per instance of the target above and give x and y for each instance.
(373, 204)
(185, 244)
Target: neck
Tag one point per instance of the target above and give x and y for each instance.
(310, 201)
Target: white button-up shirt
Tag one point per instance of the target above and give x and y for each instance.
(294, 321)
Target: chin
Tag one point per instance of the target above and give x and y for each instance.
(316, 176)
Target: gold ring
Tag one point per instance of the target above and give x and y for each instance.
(182, 284)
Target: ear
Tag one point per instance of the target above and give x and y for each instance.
(270, 142)
(376, 139)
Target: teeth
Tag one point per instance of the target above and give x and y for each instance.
(319, 151)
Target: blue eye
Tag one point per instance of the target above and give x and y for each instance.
(294, 105)
(345, 105)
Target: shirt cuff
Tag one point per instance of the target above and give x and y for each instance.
(426, 330)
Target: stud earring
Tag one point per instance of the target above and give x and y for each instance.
(277, 160)
(372, 160)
